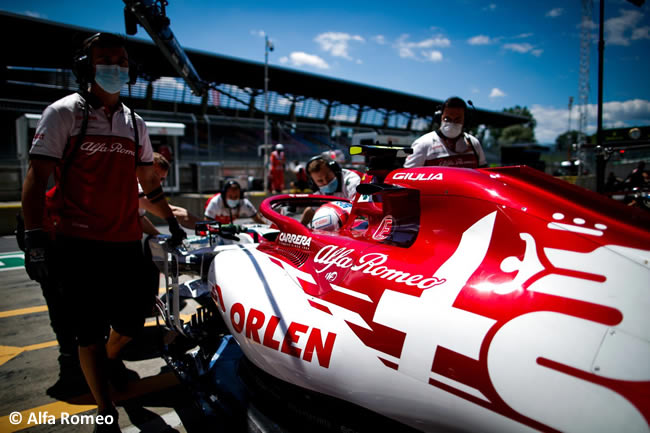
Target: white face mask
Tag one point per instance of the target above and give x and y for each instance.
(451, 130)
(232, 203)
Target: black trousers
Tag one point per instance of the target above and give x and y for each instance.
(103, 284)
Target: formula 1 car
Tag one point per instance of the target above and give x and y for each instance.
(451, 300)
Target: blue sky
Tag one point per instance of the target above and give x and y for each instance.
(498, 53)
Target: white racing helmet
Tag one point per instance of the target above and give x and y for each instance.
(331, 216)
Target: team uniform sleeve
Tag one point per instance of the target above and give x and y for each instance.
(52, 133)
(212, 210)
(247, 209)
(351, 183)
(419, 155)
(141, 211)
(482, 162)
(146, 150)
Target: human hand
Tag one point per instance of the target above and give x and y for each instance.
(36, 254)
(178, 234)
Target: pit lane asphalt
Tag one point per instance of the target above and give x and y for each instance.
(155, 402)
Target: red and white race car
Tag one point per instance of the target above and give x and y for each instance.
(455, 299)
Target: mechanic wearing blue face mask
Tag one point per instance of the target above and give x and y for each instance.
(449, 145)
(85, 232)
(328, 178)
(229, 205)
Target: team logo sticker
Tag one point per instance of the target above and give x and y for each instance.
(384, 229)
(294, 240)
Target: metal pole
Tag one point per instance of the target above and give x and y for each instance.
(266, 111)
(569, 141)
(600, 157)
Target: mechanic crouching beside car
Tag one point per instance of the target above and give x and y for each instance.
(98, 150)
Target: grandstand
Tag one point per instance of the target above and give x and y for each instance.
(213, 136)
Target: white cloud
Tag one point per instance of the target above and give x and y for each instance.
(432, 56)
(479, 40)
(475, 90)
(380, 39)
(617, 27)
(555, 12)
(519, 48)
(260, 33)
(497, 93)
(523, 36)
(406, 53)
(407, 49)
(641, 33)
(34, 14)
(337, 43)
(552, 121)
(299, 58)
(524, 48)
(490, 7)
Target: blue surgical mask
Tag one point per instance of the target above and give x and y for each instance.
(232, 203)
(330, 187)
(111, 78)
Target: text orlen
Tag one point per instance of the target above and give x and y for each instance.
(295, 240)
(372, 264)
(300, 341)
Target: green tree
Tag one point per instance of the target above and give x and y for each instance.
(522, 133)
(564, 141)
(516, 134)
(523, 111)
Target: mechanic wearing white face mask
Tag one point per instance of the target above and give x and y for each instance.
(228, 205)
(449, 145)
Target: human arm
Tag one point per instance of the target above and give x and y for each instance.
(33, 196)
(247, 210)
(148, 227)
(154, 200)
(482, 162)
(419, 155)
(307, 216)
(156, 197)
(258, 218)
(33, 205)
(184, 217)
(350, 182)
